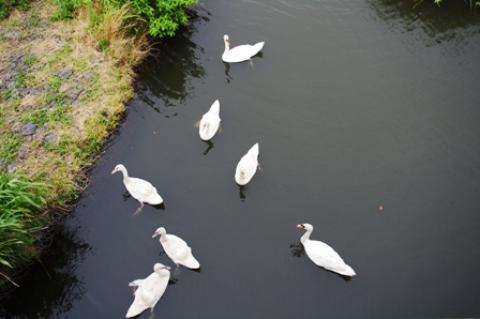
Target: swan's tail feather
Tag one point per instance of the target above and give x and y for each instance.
(155, 199)
(257, 47)
(254, 150)
(192, 263)
(348, 271)
(135, 309)
(215, 108)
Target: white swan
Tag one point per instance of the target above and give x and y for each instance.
(322, 254)
(240, 53)
(140, 189)
(210, 122)
(148, 291)
(177, 249)
(247, 166)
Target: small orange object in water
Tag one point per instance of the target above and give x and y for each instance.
(380, 207)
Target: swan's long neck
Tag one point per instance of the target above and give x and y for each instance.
(227, 47)
(306, 236)
(124, 173)
(163, 238)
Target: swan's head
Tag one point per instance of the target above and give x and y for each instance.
(161, 269)
(118, 168)
(305, 226)
(159, 232)
(226, 38)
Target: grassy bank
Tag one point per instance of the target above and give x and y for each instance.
(66, 72)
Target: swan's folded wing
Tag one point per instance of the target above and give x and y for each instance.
(323, 255)
(140, 188)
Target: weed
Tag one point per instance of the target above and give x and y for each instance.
(9, 143)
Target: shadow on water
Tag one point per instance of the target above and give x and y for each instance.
(440, 24)
(228, 76)
(209, 148)
(241, 193)
(166, 76)
(297, 250)
(56, 274)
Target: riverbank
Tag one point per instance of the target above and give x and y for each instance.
(62, 93)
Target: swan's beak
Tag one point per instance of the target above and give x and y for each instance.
(114, 171)
(154, 235)
(300, 226)
(167, 268)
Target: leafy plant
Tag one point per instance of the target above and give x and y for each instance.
(7, 5)
(20, 201)
(163, 17)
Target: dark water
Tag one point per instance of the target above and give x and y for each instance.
(355, 104)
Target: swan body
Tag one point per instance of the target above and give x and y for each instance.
(210, 122)
(247, 166)
(148, 291)
(240, 53)
(140, 189)
(322, 254)
(177, 249)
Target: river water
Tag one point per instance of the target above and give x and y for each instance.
(357, 106)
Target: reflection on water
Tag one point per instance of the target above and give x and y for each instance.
(166, 77)
(56, 274)
(440, 24)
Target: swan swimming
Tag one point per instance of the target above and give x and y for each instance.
(140, 189)
(322, 254)
(247, 166)
(210, 122)
(148, 291)
(177, 249)
(240, 53)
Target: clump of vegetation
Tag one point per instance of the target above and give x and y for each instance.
(7, 5)
(161, 17)
(21, 201)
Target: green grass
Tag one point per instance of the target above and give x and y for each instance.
(9, 143)
(53, 109)
(7, 5)
(20, 202)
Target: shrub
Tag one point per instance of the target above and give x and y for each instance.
(66, 8)
(163, 17)
(7, 5)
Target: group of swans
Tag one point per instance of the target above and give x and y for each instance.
(148, 291)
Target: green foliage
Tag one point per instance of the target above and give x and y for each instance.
(103, 44)
(7, 5)
(163, 17)
(9, 143)
(20, 201)
(66, 8)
